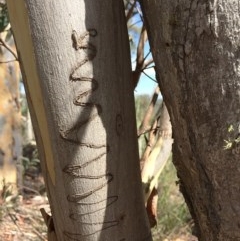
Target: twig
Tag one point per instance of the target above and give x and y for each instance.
(149, 146)
(129, 14)
(149, 67)
(8, 48)
(140, 56)
(148, 130)
(29, 189)
(134, 23)
(140, 13)
(149, 52)
(140, 48)
(149, 112)
(33, 221)
(147, 63)
(149, 76)
(8, 61)
(14, 221)
(39, 234)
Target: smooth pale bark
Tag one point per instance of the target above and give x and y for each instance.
(195, 45)
(75, 58)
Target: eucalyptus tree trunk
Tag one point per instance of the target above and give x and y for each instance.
(10, 115)
(195, 46)
(75, 60)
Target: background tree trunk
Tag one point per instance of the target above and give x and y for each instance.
(195, 45)
(10, 116)
(75, 58)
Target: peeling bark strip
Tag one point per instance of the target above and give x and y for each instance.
(197, 54)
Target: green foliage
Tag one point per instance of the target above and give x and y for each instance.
(7, 190)
(30, 158)
(28, 163)
(3, 16)
(233, 137)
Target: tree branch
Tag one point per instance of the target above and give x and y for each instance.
(8, 48)
(145, 123)
(8, 61)
(130, 11)
(147, 63)
(140, 56)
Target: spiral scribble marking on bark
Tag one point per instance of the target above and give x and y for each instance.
(71, 135)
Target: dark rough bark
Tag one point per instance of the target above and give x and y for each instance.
(195, 45)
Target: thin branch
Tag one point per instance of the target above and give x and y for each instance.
(8, 48)
(148, 114)
(130, 11)
(147, 63)
(140, 48)
(22, 187)
(149, 67)
(8, 61)
(148, 130)
(14, 221)
(141, 60)
(149, 52)
(149, 77)
(134, 23)
(140, 13)
(140, 56)
(151, 141)
(38, 234)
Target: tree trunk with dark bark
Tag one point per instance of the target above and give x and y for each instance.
(77, 72)
(195, 45)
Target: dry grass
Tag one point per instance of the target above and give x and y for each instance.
(20, 218)
(174, 220)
